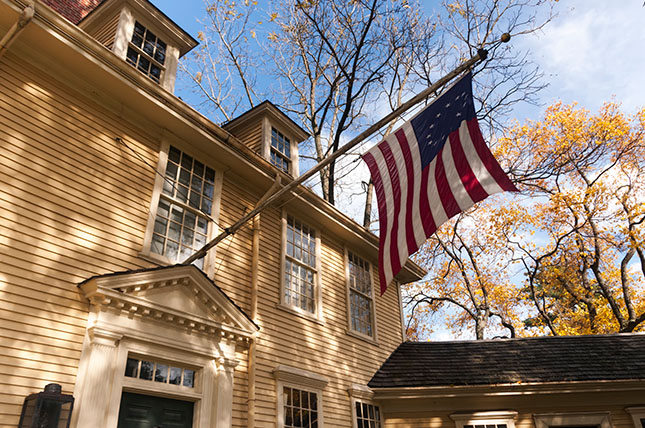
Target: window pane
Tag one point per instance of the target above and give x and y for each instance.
(175, 376)
(146, 370)
(144, 65)
(132, 57)
(189, 378)
(132, 367)
(161, 373)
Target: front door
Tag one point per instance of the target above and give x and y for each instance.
(146, 411)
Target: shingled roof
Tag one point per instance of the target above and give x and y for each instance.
(506, 361)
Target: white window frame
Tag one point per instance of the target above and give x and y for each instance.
(303, 380)
(151, 59)
(123, 37)
(267, 125)
(637, 413)
(549, 420)
(368, 402)
(350, 329)
(482, 418)
(280, 154)
(213, 229)
(317, 315)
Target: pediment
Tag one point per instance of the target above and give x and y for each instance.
(182, 295)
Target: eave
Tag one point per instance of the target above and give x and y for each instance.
(85, 65)
(516, 389)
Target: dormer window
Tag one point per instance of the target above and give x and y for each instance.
(146, 52)
(280, 151)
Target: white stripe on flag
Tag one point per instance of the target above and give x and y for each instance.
(389, 207)
(402, 170)
(486, 180)
(457, 187)
(417, 225)
(434, 201)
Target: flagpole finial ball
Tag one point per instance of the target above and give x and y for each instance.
(506, 37)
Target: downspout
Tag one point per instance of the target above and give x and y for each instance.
(254, 311)
(16, 28)
(255, 263)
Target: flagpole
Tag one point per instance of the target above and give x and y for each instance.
(480, 56)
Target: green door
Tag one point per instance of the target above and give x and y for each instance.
(146, 411)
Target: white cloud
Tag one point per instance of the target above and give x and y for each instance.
(592, 51)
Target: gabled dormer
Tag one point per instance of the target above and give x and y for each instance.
(266, 130)
(140, 34)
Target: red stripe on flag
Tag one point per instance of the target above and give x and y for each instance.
(468, 178)
(382, 213)
(487, 157)
(429, 225)
(396, 190)
(409, 169)
(450, 205)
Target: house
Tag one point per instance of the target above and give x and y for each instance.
(108, 182)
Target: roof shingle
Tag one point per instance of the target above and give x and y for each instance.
(506, 361)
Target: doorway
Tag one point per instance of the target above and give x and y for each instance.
(146, 411)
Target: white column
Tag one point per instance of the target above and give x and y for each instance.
(94, 400)
(223, 393)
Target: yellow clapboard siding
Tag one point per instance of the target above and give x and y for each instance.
(63, 227)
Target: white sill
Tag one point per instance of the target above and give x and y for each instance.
(155, 258)
(363, 337)
(300, 313)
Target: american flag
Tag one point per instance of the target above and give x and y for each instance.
(429, 170)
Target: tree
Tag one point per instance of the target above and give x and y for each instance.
(334, 63)
(575, 232)
(585, 176)
(468, 269)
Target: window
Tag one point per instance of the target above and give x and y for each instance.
(586, 419)
(638, 416)
(300, 267)
(497, 419)
(367, 415)
(361, 299)
(299, 397)
(159, 372)
(185, 205)
(300, 408)
(146, 52)
(280, 150)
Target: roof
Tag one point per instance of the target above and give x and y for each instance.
(508, 361)
(277, 113)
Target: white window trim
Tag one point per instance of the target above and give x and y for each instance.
(213, 229)
(317, 316)
(350, 331)
(495, 417)
(123, 37)
(549, 420)
(303, 380)
(266, 146)
(637, 413)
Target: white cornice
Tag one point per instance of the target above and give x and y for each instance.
(299, 376)
(125, 294)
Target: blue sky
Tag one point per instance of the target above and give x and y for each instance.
(589, 53)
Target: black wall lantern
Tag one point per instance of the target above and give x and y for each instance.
(47, 409)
